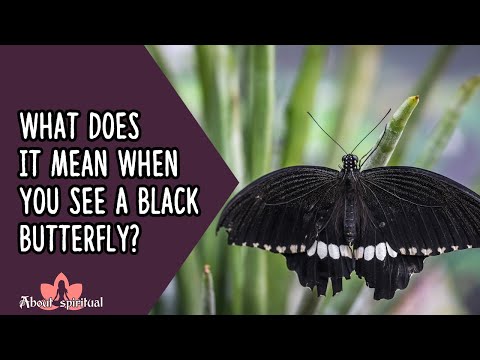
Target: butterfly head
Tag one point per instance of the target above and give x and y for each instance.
(350, 162)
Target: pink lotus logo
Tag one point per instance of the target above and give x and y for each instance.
(61, 290)
(60, 294)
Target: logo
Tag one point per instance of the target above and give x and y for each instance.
(61, 294)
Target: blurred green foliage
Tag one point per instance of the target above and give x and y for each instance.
(232, 93)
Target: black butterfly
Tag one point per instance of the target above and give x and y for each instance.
(382, 222)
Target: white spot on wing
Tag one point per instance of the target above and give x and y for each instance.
(454, 248)
(267, 247)
(313, 249)
(345, 251)
(322, 250)
(255, 244)
(441, 250)
(359, 252)
(391, 252)
(403, 251)
(244, 244)
(281, 249)
(233, 244)
(369, 253)
(293, 248)
(469, 246)
(333, 251)
(426, 252)
(412, 250)
(302, 248)
(381, 251)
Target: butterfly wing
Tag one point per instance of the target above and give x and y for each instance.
(408, 214)
(296, 211)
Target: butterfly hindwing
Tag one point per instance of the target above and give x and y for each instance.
(329, 256)
(382, 267)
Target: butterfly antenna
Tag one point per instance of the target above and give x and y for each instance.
(363, 157)
(340, 146)
(370, 153)
(355, 148)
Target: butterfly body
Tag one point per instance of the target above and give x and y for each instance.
(350, 173)
(382, 222)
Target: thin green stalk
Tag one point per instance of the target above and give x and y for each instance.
(438, 141)
(208, 292)
(157, 309)
(423, 87)
(385, 147)
(212, 65)
(360, 71)
(212, 62)
(237, 146)
(233, 279)
(159, 58)
(261, 100)
(262, 97)
(236, 265)
(362, 303)
(302, 100)
(309, 303)
(446, 126)
(387, 143)
(189, 284)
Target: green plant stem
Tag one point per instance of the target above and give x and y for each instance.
(189, 284)
(387, 143)
(360, 70)
(159, 58)
(262, 96)
(362, 303)
(438, 141)
(302, 100)
(423, 88)
(157, 308)
(212, 67)
(385, 147)
(309, 303)
(444, 129)
(236, 265)
(261, 100)
(234, 259)
(237, 146)
(208, 292)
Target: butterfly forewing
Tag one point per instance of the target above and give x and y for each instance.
(421, 212)
(282, 211)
